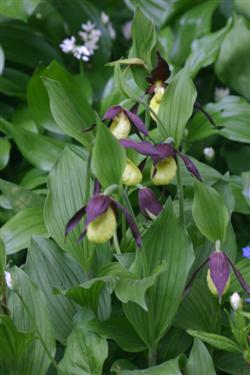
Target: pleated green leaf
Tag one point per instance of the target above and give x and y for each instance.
(167, 368)
(85, 353)
(209, 212)
(13, 344)
(49, 267)
(65, 112)
(246, 186)
(200, 361)
(17, 232)
(66, 191)
(35, 359)
(166, 240)
(4, 152)
(177, 106)
(217, 341)
(109, 157)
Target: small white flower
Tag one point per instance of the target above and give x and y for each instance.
(88, 27)
(209, 153)
(104, 18)
(235, 301)
(68, 44)
(8, 279)
(81, 53)
(126, 30)
(111, 30)
(220, 93)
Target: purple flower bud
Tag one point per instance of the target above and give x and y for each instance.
(148, 202)
(219, 272)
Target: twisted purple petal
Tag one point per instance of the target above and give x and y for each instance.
(137, 121)
(165, 150)
(112, 112)
(132, 224)
(190, 166)
(75, 219)
(148, 202)
(219, 270)
(97, 187)
(144, 147)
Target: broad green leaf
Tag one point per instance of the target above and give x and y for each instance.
(232, 363)
(167, 368)
(40, 150)
(204, 51)
(35, 360)
(66, 192)
(19, 197)
(65, 113)
(246, 186)
(200, 361)
(13, 83)
(2, 60)
(49, 267)
(232, 112)
(13, 344)
(177, 106)
(199, 310)
(125, 83)
(34, 178)
(175, 341)
(3, 258)
(4, 152)
(242, 7)
(217, 341)
(193, 24)
(85, 352)
(209, 212)
(120, 330)
(244, 267)
(232, 65)
(130, 61)
(165, 295)
(17, 37)
(21, 9)
(241, 205)
(17, 232)
(109, 157)
(88, 293)
(144, 41)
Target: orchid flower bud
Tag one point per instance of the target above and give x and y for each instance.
(218, 276)
(131, 175)
(164, 171)
(102, 228)
(148, 202)
(236, 301)
(120, 126)
(156, 100)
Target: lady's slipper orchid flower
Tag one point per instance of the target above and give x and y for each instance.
(164, 160)
(100, 224)
(122, 119)
(148, 203)
(131, 175)
(218, 276)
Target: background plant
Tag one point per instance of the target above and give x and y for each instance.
(72, 307)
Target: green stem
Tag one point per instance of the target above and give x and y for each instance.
(152, 356)
(37, 331)
(181, 194)
(116, 243)
(123, 217)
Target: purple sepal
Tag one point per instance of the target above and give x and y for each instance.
(144, 148)
(148, 202)
(161, 72)
(219, 267)
(136, 120)
(133, 227)
(75, 219)
(97, 187)
(190, 166)
(97, 206)
(165, 150)
(112, 112)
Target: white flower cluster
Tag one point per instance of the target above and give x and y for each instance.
(220, 93)
(89, 36)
